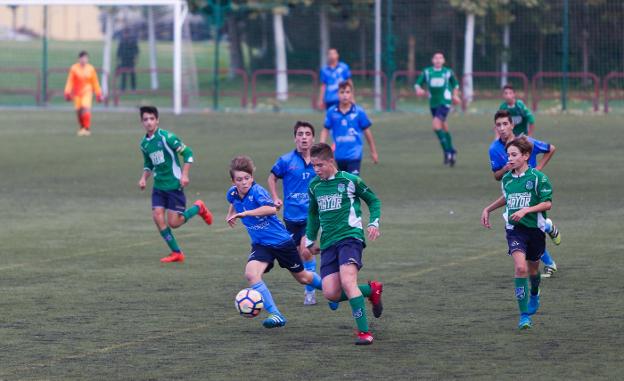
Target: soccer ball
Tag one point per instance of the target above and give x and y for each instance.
(249, 303)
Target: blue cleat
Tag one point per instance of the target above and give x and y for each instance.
(274, 321)
(534, 304)
(525, 322)
(333, 305)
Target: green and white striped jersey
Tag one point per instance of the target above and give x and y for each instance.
(525, 190)
(160, 156)
(440, 83)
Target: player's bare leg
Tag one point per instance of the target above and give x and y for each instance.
(158, 215)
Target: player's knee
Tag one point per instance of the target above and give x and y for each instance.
(252, 277)
(332, 295)
(303, 277)
(521, 271)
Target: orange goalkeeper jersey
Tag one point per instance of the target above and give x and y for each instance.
(82, 80)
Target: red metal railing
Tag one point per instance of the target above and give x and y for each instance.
(371, 93)
(607, 78)
(536, 96)
(308, 73)
(396, 94)
(499, 75)
(36, 93)
(242, 93)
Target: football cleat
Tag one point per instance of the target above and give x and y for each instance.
(525, 322)
(552, 231)
(274, 321)
(364, 338)
(534, 304)
(452, 158)
(173, 257)
(549, 270)
(309, 298)
(375, 297)
(204, 212)
(447, 156)
(333, 305)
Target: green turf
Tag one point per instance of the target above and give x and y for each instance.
(84, 297)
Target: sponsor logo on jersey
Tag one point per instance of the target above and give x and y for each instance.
(519, 200)
(516, 119)
(436, 82)
(344, 122)
(157, 157)
(329, 202)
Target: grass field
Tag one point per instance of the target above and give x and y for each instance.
(84, 297)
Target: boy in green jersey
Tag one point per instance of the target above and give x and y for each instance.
(527, 196)
(443, 91)
(160, 158)
(335, 208)
(523, 119)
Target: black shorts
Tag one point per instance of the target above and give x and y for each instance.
(347, 251)
(441, 112)
(173, 200)
(287, 256)
(297, 230)
(351, 166)
(531, 241)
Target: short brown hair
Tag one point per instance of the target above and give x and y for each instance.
(302, 124)
(503, 114)
(322, 151)
(344, 85)
(523, 144)
(243, 164)
(508, 87)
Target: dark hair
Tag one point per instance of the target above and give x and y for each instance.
(243, 164)
(522, 143)
(344, 85)
(503, 114)
(437, 52)
(83, 53)
(322, 151)
(148, 110)
(508, 87)
(302, 124)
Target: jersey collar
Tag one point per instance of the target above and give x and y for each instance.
(148, 138)
(348, 112)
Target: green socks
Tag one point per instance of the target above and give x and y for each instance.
(190, 212)
(364, 288)
(535, 283)
(449, 141)
(359, 313)
(446, 141)
(167, 235)
(522, 295)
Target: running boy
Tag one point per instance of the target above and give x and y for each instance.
(503, 124)
(296, 172)
(443, 90)
(527, 195)
(81, 83)
(270, 240)
(335, 199)
(160, 157)
(348, 122)
(523, 119)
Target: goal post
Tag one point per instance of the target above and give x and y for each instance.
(180, 11)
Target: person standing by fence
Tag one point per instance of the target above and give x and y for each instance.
(127, 53)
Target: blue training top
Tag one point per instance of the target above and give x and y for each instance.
(498, 153)
(265, 230)
(347, 131)
(296, 176)
(332, 77)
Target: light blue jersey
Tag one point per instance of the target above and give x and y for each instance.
(265, 230)
(296, 176)
(498, 153)
(347, 131)
(331, 78)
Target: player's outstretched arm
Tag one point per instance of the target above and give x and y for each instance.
(371, 144)
(313, 224)
(324, 135)
(185, 180)
(272, 183)
(374, 208)
(228, 217)
(143, 180)
(320, 104)
(485, 215)
(546, 158)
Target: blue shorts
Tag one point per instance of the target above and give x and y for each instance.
(531, 241)
(441, 112)
(297, 230)
(329, 105)
(347, 251)
(287, 256)
(173, 200)
(351, 166)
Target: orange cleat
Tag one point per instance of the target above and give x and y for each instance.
(204, 212)
(364, 338)
(173, 257)
(375, 297)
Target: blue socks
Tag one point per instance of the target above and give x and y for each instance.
(547, 259)
(311, 266)
(317, 283)
(269, 304)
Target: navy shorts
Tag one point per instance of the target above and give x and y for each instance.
(347, 251)
(297, 230)
(173, 200)
(441, 112)
(329, 105)
(531, 241)
(351, 166)
(287, 256)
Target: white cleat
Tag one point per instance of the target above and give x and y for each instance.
(309, 298)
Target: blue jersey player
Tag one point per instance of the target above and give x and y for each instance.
(270, 240)
(296, 171)
(332, 75)
(503, 124)
(349, 124)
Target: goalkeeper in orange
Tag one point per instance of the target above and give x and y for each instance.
(81, 83)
